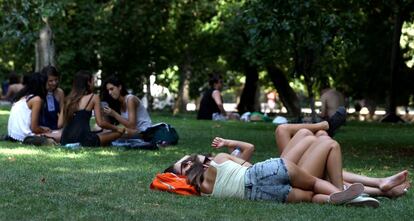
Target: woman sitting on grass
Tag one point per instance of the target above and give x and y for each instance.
(275, 179)
(25, 112)
(307, 141)
(125, 108)
(79, 105)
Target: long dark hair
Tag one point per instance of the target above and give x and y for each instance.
(80, 88)
(195, 175)
(105, 96)
(36, 86)
(50, 71)
(207, 159)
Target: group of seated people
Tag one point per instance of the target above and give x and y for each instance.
(41, 109)
(309, 170)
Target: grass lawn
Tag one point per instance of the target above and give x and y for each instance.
(113, 184)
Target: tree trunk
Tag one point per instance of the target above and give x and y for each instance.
(181, 102)
(287, 95)
(150, 99)
(248, 96)
(44, 48)
(394, 67)
(311, 96)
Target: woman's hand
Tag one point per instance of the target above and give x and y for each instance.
(108, 111)
(218, 142)
(46, 129)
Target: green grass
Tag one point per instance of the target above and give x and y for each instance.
(113, 184)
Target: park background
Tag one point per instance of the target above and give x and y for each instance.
(362, 48)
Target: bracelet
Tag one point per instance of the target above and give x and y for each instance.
(243, 163)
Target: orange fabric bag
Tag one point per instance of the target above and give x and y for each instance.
(173, 183)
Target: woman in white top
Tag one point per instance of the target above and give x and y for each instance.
(25, 112)
(267, 180)
(276, 180)
(125, 108)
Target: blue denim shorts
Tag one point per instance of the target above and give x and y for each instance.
(267, 180)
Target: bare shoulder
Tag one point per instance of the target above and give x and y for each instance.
(216, 92)
(134, 100)
(222, 157)
(36, 100)
(59, 92)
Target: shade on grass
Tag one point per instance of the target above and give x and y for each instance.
(113, 184)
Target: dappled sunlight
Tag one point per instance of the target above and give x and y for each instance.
(19, 151)
(94, 170)
(107, 153)
(4, 112)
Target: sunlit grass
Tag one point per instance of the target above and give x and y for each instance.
(4, 112)
(113, 183)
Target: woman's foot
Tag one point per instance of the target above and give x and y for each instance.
(398, 191)
(393, 181)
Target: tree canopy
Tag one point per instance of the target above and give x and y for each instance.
(351, 45)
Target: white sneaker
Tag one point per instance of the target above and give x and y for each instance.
(364, 201)
(352, 192)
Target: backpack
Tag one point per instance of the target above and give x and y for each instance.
(161, 133)
(173, 183)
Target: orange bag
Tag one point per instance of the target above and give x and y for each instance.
(173, 183)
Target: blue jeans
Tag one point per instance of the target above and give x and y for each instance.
(267, 180)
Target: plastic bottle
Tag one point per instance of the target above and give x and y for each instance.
(236, 152)
(72, 146)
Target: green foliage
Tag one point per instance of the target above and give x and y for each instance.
(314, 42)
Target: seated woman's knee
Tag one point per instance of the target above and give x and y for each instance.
(321, 133)
(283, 128)
(324, 138)
(310, 139)
(304, 132)
(335, 145)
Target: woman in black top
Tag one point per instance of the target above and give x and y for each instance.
(212, 102)
(78, 111)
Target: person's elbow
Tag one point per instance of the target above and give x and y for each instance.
(250, 148)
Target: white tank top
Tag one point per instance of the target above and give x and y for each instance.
(229, 180)
(143, 118)
(19, 123)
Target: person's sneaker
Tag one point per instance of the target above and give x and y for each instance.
(364, 201)
(337, 120)
(352, 192)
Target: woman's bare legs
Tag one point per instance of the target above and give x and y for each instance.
(394, 192)
(285, 133)
(317, 156)
(324, 158)
(107, 137)
(392, 186)
(383, 184)
(306, 187)
(55, 135)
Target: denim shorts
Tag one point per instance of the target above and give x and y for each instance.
(267, 180)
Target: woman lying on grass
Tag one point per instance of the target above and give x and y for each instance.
(307, 141)
(275, 179)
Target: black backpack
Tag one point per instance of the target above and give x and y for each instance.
(161, 134)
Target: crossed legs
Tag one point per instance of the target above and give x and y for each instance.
(308, 146)
(308, 188)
